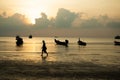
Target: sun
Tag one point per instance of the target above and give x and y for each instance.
(33, 10)
(32, 14)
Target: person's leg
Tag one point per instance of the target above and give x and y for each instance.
(42, 53)
(46, 52)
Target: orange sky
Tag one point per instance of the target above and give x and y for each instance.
(33, 8)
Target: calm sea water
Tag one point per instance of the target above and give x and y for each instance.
(98, 50)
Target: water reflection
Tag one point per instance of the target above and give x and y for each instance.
(19, 48)
(44, 58)
(97, 50)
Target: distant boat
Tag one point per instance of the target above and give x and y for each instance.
(116, 43)
(30, 36)
(81, 43)
(117, 37)
(61, 43)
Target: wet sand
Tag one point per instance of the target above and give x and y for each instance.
(29, 70)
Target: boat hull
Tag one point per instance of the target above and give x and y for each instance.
(116, 43)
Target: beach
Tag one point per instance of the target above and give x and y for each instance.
(27, 70)
(99, 60)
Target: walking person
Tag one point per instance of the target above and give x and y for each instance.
(44, 48)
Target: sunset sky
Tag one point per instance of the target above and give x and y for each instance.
(33, 8)
(87, 10)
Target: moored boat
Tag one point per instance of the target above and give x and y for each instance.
(116, 43)
(19, 41)
(65, 43)
(117, 37)
(81, 43)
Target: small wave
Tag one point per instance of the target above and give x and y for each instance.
(107, 43)
(7, 42)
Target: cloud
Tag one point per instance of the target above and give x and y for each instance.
(42, 22)
(102, 21)
(13, 24)
(64, 18)
(91, 23)
(114, 24)
(65, 23)
(94, 22)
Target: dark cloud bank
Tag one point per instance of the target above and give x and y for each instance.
(66, 23)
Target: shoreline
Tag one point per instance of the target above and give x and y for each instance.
(28, 70)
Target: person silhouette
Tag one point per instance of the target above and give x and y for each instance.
(44, 48)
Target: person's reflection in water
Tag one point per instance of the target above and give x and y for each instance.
(44, 59)
(19, 48)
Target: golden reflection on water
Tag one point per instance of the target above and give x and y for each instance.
(31, 50)
(31, 47)
(35, 45)
(97, 51)
(52, 58)
(37, 57)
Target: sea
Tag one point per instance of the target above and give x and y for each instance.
(100, 51)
